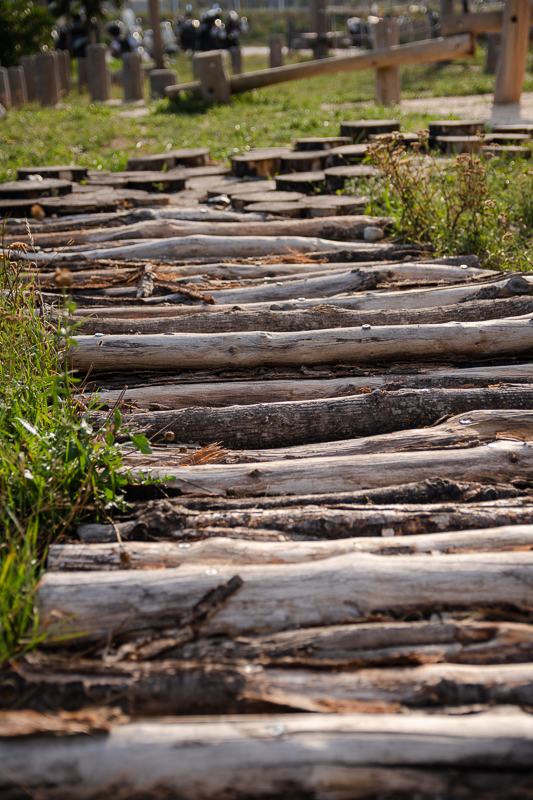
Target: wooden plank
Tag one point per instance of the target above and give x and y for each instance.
(275, 597)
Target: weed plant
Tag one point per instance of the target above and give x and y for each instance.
(467, 204)
(54, 469)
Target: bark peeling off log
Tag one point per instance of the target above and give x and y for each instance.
(94, 605)
(452, 340)
(277, 756)
(288, 424)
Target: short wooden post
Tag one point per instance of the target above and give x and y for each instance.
(83, 82)
(5, 91)
(320, 26)
(388, 79)
(98, 75)
(17, 85)
(236, 60)
(276, 51)
(494, 41)
(159, 79)
(513, 55)
(213, 75)
(48, 72)
(30, 73)
(63, 62)
(132, 77)
(155, 20)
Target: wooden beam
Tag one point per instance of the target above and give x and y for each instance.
(481, 22)
(415, 53)
(513, 55)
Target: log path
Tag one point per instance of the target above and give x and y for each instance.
(342, 431)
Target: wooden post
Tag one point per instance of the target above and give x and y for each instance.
(132, 77)
(5, 91)
(48, 71)
(159, 80)
(276, 51)
(30, 71)
(236, 60)
(512, 63)
(388, 79)
(83, 83)
(155, 20)
(17, 84)
(98, 72)
(214, 78)
(494, 41)
(321, 29)
(63, 62)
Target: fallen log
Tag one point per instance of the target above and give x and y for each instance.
(99, 606)
(453, 340)
(202, 246)
(187, 394)
(221, 550)
(311, 521)
(499, 461)
(269, 425)
(319, 318)
(275, 755)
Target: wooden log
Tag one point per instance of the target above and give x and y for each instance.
(388, 79)
(240, 201)
(323, 317)
(305, 161)
(305, 182)
(221, 550)
(272, 755)
(415, 53)
(34, 190)
(95, 605)
(187, 157)
(306, 518)
(69, 173)
(499, 461)
(258, 162)
(453, 340)
(213, 76)
(320, 142)
(360, 130)
(203, 246)
(336, 177)
(513, 56)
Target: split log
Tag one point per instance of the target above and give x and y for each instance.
(92, 606)
(454, 340)
(311, 522)
(342, 228)
(370, 301)
(498, 461)
(269, 425)
(202, 246)
(224, 551)
(321, 317)
(360, 754)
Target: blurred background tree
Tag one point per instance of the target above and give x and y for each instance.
(25, 28)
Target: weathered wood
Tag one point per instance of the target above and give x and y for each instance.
(258, 162)
(305, 182)
(248, 757)
(336, 177)
(453, 340)
(151, 555)
(33, 190)
(515, 42)
(359, 130)
(388, 79)
(481, 22)
(313, 518)
(323, 317)
(69, 173)
(499, 461)
(213, 76)
(187, 157)
(96, 605)
(320, 142)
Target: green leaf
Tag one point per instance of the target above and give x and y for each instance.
(141, 443)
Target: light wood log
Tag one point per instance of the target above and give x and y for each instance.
(499, 461)
(92, 606)
(310, 521)
(321, 317)
(252, 757)
(417, 52)
(223, 551)
(370, 301)
(269, 425)
(454, 340)
(513, 55)
(201, 246)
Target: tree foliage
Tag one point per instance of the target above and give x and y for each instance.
(24, 29)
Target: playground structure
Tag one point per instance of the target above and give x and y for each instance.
(216, 85)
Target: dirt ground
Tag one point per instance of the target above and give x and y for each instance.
(477, 106)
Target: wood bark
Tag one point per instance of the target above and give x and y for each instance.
(152, 555)
(306, 422)
(498, 461)
(92, 606)
(311, 522)
(453, 340)
(360, 754)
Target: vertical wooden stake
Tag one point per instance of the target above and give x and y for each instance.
(213, 75)
(155, 20)
(513, 54)
(388, 79)
(494, 41)
(276, 51)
